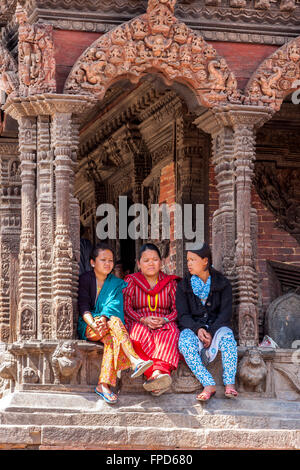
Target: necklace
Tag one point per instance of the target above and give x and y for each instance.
(156, 301)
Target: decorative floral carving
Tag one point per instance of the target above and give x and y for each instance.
(156, 40)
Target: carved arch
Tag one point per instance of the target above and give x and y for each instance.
(155, 41)
(9, 81)
(274, 78)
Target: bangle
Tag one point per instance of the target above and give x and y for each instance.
(166, 320)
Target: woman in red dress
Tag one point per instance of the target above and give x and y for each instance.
(150, 316)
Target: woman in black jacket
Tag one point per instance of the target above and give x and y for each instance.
(204, 306)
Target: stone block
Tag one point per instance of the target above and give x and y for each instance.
(248, 439)
(24, 435)
(100, 436)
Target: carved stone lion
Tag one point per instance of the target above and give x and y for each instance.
(8, 366)
(66, 362)
(8, 371)
(252, 372)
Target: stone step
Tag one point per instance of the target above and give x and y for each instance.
(174, 412)
(27, 401)
(160, 420)
(150, 438)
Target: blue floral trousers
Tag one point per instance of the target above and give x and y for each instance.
(189, 348)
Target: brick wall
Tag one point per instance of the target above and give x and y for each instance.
(68, 47)
(272, 244)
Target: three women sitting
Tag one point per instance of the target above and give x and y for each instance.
(155, 305)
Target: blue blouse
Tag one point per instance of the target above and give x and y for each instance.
(201, 288)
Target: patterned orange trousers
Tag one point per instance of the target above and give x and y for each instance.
(114, 357)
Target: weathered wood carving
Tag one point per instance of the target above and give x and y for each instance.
(9, 81)
(274, 79)
(278, 191)
(36, 56)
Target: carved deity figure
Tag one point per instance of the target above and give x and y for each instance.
(139, 29)
(152, 4)
(158, 44)
(9, 81)
(181, 33)
(161, 20)
(36, 56)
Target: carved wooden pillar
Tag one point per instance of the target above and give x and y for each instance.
(245, 124)
(223, 224)
(27, 309)
(62, 273)
(74, 220)
(192, 148)
(10, 228)
(234, 236)
(45, 226)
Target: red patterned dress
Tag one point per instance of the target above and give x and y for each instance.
(160, 345)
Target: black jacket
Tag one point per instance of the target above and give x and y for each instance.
(216, 312)
(87, 292)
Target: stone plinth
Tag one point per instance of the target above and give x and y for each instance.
(48, 403)
(73, 366)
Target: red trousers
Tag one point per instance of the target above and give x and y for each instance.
(157, 364)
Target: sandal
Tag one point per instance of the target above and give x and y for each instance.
(157, 393)
(107, 396)
(160, 382)
(141, 368)
(205, 396)
(231, 393)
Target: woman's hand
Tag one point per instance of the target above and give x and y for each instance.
(100, 326)
(205, 337)
(153, 322)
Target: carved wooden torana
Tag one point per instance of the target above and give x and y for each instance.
(155, 41)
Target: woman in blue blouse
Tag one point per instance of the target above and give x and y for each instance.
(204, 306)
